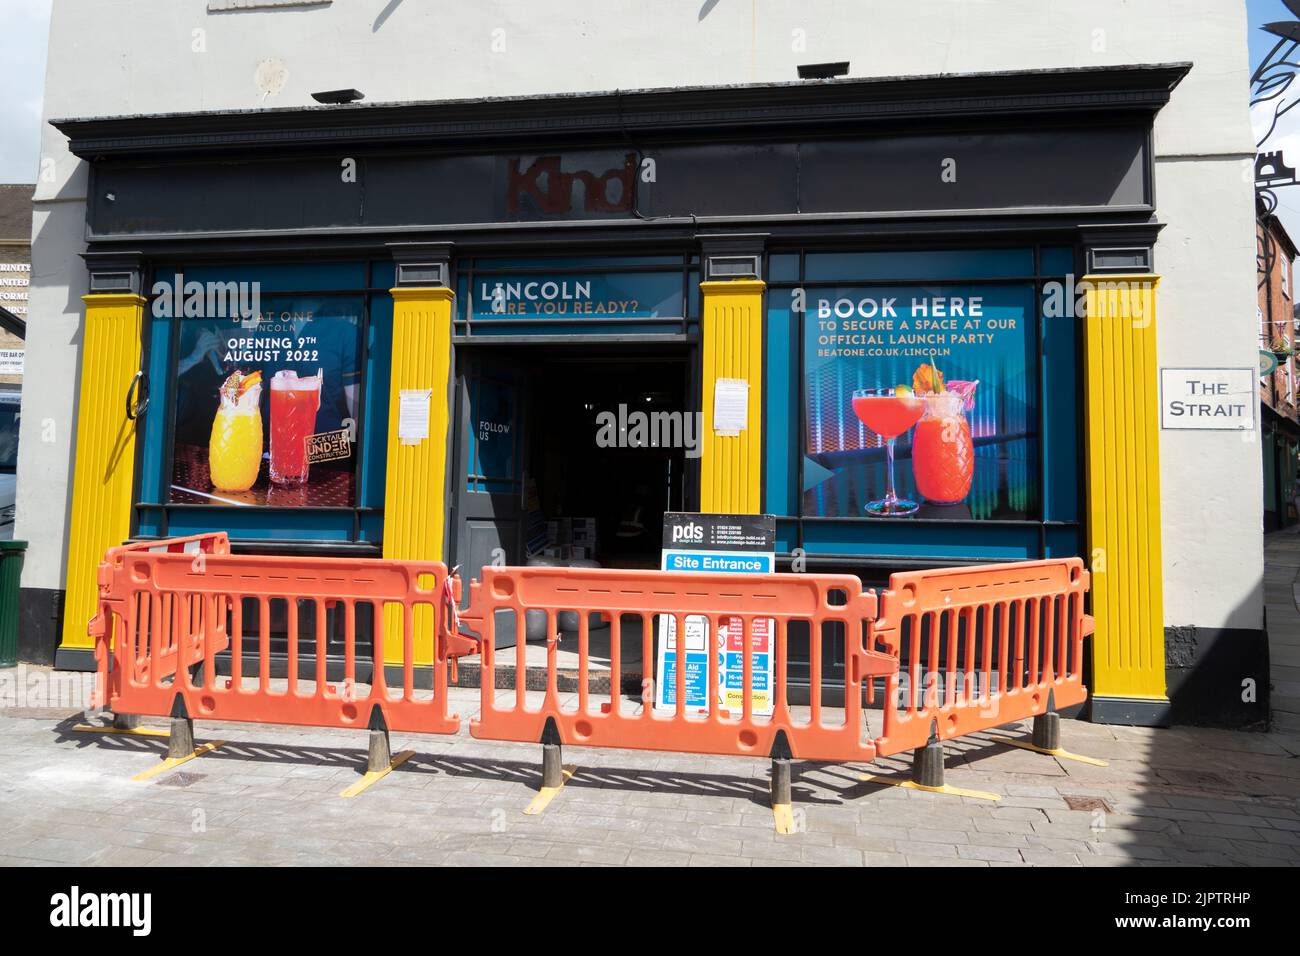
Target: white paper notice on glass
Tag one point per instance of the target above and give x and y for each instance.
(730, 406)
(413, 415)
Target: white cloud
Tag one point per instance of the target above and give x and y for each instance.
(24, 35)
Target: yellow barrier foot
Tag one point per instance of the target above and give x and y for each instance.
(372, 775)
(783, 817)
(547, 794)
(172, 762)
(1051, 752)
(126, 731)
(945, 788)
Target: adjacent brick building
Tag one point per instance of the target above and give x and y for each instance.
(15, 275)
(1277, 390)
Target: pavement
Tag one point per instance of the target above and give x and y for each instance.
(1281, 596)
(270, 795)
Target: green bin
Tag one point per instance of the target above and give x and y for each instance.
(11, 573)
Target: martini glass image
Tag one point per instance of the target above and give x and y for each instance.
(294, 403)
(889, 415)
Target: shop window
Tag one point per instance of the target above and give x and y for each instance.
(270, 410)
(953, 356)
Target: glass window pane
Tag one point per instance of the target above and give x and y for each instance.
(1056, 260)
(783, 267)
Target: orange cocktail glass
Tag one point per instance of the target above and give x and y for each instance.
(943, 455)
(888, 415)
(235, 445)
(294, 403)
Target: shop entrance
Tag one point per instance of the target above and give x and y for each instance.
(570, 454)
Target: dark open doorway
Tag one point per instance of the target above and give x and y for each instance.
(571, 453)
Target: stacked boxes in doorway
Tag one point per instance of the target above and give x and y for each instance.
(582, 536)
(569, 538)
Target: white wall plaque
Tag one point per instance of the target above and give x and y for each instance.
(1209, 399)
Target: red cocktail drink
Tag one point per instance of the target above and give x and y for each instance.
(943, 455)
(294, 403)
(889, 415)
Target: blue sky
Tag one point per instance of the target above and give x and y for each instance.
(1287, 135)
(23, 38)
(1261, 12)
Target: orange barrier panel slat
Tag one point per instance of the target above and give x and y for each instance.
(780, 700)
(647, 670)
(321, 643)
(521, 659)
(616, 654)
(237, 641)
(679, 669)
(583, 622)
(1022, 596)
(552, 647)
(815, 672)
(264, 644)
(350, 644)
(291, 613)
(986, 654)
(408, 654)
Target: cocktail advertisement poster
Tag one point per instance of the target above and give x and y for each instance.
(266, 407)
(929, 384)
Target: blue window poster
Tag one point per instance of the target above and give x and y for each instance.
(946, 374)
(267, 405)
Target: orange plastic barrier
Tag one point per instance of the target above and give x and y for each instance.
(164, 661)
(830, 609)
(959, 650)
(168, 608)
(979, 647)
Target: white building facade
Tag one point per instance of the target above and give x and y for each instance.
(974, 157)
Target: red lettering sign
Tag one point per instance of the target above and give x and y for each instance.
(551, 189)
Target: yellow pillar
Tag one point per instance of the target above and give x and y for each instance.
(1123, 490)
(731, 466)
(415, 485)
(104, 460)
